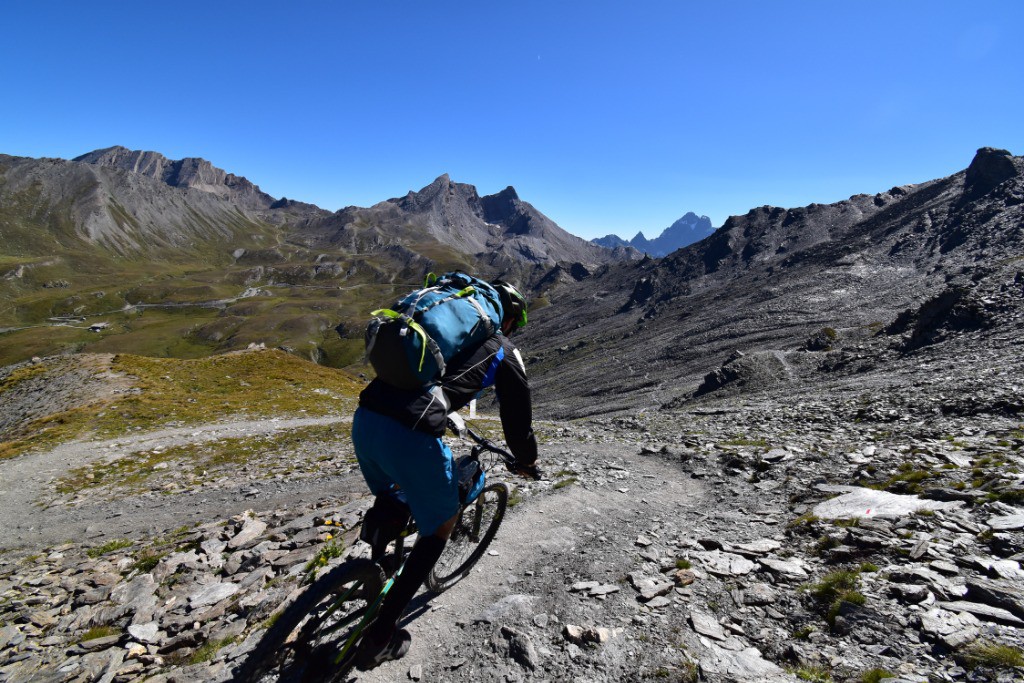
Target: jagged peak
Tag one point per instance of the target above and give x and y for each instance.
(990, 167)
(508, 194)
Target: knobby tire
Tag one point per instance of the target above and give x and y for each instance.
(303, 642)
(474, 531)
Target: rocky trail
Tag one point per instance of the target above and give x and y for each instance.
(739, 541)
(31, 516)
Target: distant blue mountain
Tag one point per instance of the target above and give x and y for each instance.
(684, 232)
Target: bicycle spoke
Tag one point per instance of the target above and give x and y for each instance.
(474, 530)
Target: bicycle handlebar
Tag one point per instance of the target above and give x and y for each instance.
(511, 464)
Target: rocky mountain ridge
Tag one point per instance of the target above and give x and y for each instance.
(190, 172)
(500, 229)
(771, 279)
(687, 230)
(128, 200)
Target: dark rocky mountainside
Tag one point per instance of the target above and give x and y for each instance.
(883, 275)
(687, 230)
(501, 229)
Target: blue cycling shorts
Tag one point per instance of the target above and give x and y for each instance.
(421, 465)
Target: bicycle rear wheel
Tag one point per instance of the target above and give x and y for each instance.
(306, 640)
(475, 529)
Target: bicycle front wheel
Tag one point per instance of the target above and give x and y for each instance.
(475, 529)
(312, 639)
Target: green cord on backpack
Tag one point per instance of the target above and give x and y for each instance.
(410, 343)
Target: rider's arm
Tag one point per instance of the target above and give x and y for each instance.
(514, 405)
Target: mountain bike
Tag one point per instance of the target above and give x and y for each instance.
(316, 638)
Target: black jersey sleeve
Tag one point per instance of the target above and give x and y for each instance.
(514, 405)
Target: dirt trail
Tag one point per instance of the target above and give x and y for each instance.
(543, 546)
(27, 482)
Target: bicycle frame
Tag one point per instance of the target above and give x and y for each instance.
(482, 444)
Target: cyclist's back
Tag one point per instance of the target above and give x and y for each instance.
(397, 433)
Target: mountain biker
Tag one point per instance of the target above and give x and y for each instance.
(397, 438)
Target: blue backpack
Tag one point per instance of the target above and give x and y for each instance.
(411, 343)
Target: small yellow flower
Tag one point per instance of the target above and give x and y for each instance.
(330, 536)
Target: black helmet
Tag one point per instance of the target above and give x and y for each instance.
(513, 306)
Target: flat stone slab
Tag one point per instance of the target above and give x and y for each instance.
(211, 594)
(1007, 522)
(726, 564)
(786, 569)
(518, 605)
(707, 625)
(145, 633)
(758, 594)
(252, 527)
(955, 630)
(741, 666)
(986, 612)
(139, 593)
(584, 586)
(862, 502)
(759, 547)
(658, 602)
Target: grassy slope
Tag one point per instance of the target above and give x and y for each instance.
(171, 392)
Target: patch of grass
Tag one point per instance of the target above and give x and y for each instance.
(16, 377)
(836, 589)
(868, 567)
(515, 498)
(683, 564)
(875, 675)
(908, 480)
(565, 482)
(327, 552)
(271, 620)
(992, 655)
(99, 632)
(815, 674)
(852, 521)
(147, 560)
(848, 598)
(1010, 496)
(803, 520)
(804, 632)
(249, 383)
(835, 584)
(824, 544)
(109, 547)
(201, 461)
(209, 650)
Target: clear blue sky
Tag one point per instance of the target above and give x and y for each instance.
(606, 116)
